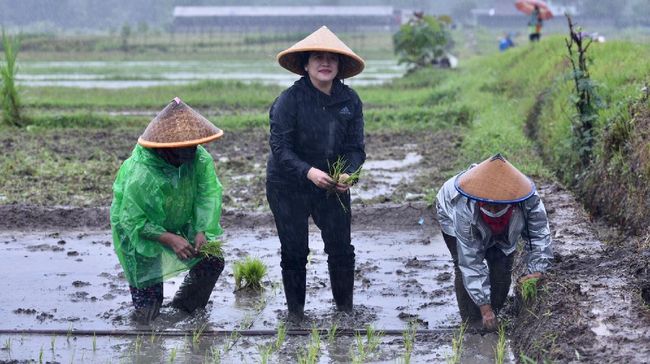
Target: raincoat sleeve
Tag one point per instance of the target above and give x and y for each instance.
(207, 206)
(539, 251)
(444, 207)
(354, 145)
(471, 254)
(283, 120)
(141, 201)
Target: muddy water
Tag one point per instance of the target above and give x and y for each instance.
(69, 281)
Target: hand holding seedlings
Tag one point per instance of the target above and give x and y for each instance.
(320, 179)
(178, 244)
(199, 240)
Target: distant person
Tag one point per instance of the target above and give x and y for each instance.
(506, 42)
(314, 123)
(535, 24)
(166, 205)
(483, 212)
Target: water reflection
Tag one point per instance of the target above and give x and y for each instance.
(118, 75)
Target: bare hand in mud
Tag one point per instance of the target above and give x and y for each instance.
(199, 240)
(178, 244)
(537, 275)
(320, 179)
(490, 322)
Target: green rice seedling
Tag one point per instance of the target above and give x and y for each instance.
(7, 345)
(11, 104)
(373, 338)
(457, 345)
(331, 333)
(172, 355)
(282, 335)
(94, 342)
(138, 344)
(40, 355)
(500, 349)
(409, 341)
(215, 355)
(265, 353)
(529, 289)
(249, 273)
(69, 334)
(52, 342)
(313, 348)
(196, 334)
(213, 248)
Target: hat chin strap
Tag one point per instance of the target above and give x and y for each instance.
(495, 214)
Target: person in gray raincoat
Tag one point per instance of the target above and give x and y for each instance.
(483, 212)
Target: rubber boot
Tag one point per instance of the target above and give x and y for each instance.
(147, 302)
(146, 314)
(342, 281)
(295, 283)
(197, 287)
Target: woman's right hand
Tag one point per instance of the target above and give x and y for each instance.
(320, 179)
(178, 244)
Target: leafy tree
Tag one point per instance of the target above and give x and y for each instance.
(422, 40)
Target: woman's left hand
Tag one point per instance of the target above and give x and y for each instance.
(199, 240)
(341, 186)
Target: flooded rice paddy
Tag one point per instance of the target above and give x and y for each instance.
(69, 302)
(118, 74)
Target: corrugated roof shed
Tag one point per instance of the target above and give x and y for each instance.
(298, 11)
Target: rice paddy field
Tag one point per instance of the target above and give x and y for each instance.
(86, 101)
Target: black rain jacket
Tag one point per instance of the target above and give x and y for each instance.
(310, 128)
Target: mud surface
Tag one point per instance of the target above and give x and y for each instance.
(591, 308)
(68, 281)
(62, 274)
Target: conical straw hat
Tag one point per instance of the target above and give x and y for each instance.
(495, 180)
(178, 125)
(322, 40)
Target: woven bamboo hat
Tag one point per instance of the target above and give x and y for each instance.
(495, 180)
(178, 125)
(322, 40)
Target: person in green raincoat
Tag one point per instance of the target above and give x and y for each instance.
(166, 205)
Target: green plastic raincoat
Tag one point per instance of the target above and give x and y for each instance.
(151, 197)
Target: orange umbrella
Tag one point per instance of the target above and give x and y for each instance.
(527, 7)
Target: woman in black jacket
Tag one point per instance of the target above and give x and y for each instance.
(314, 123)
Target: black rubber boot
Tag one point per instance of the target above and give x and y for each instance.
(342, 281)
(145, 315)
(295, 283)
(195, 290)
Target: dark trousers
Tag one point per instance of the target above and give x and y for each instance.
(291, 210)
(500, 268)
(199, 281)
(534, 37)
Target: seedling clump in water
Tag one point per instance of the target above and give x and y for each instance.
(249, 273)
